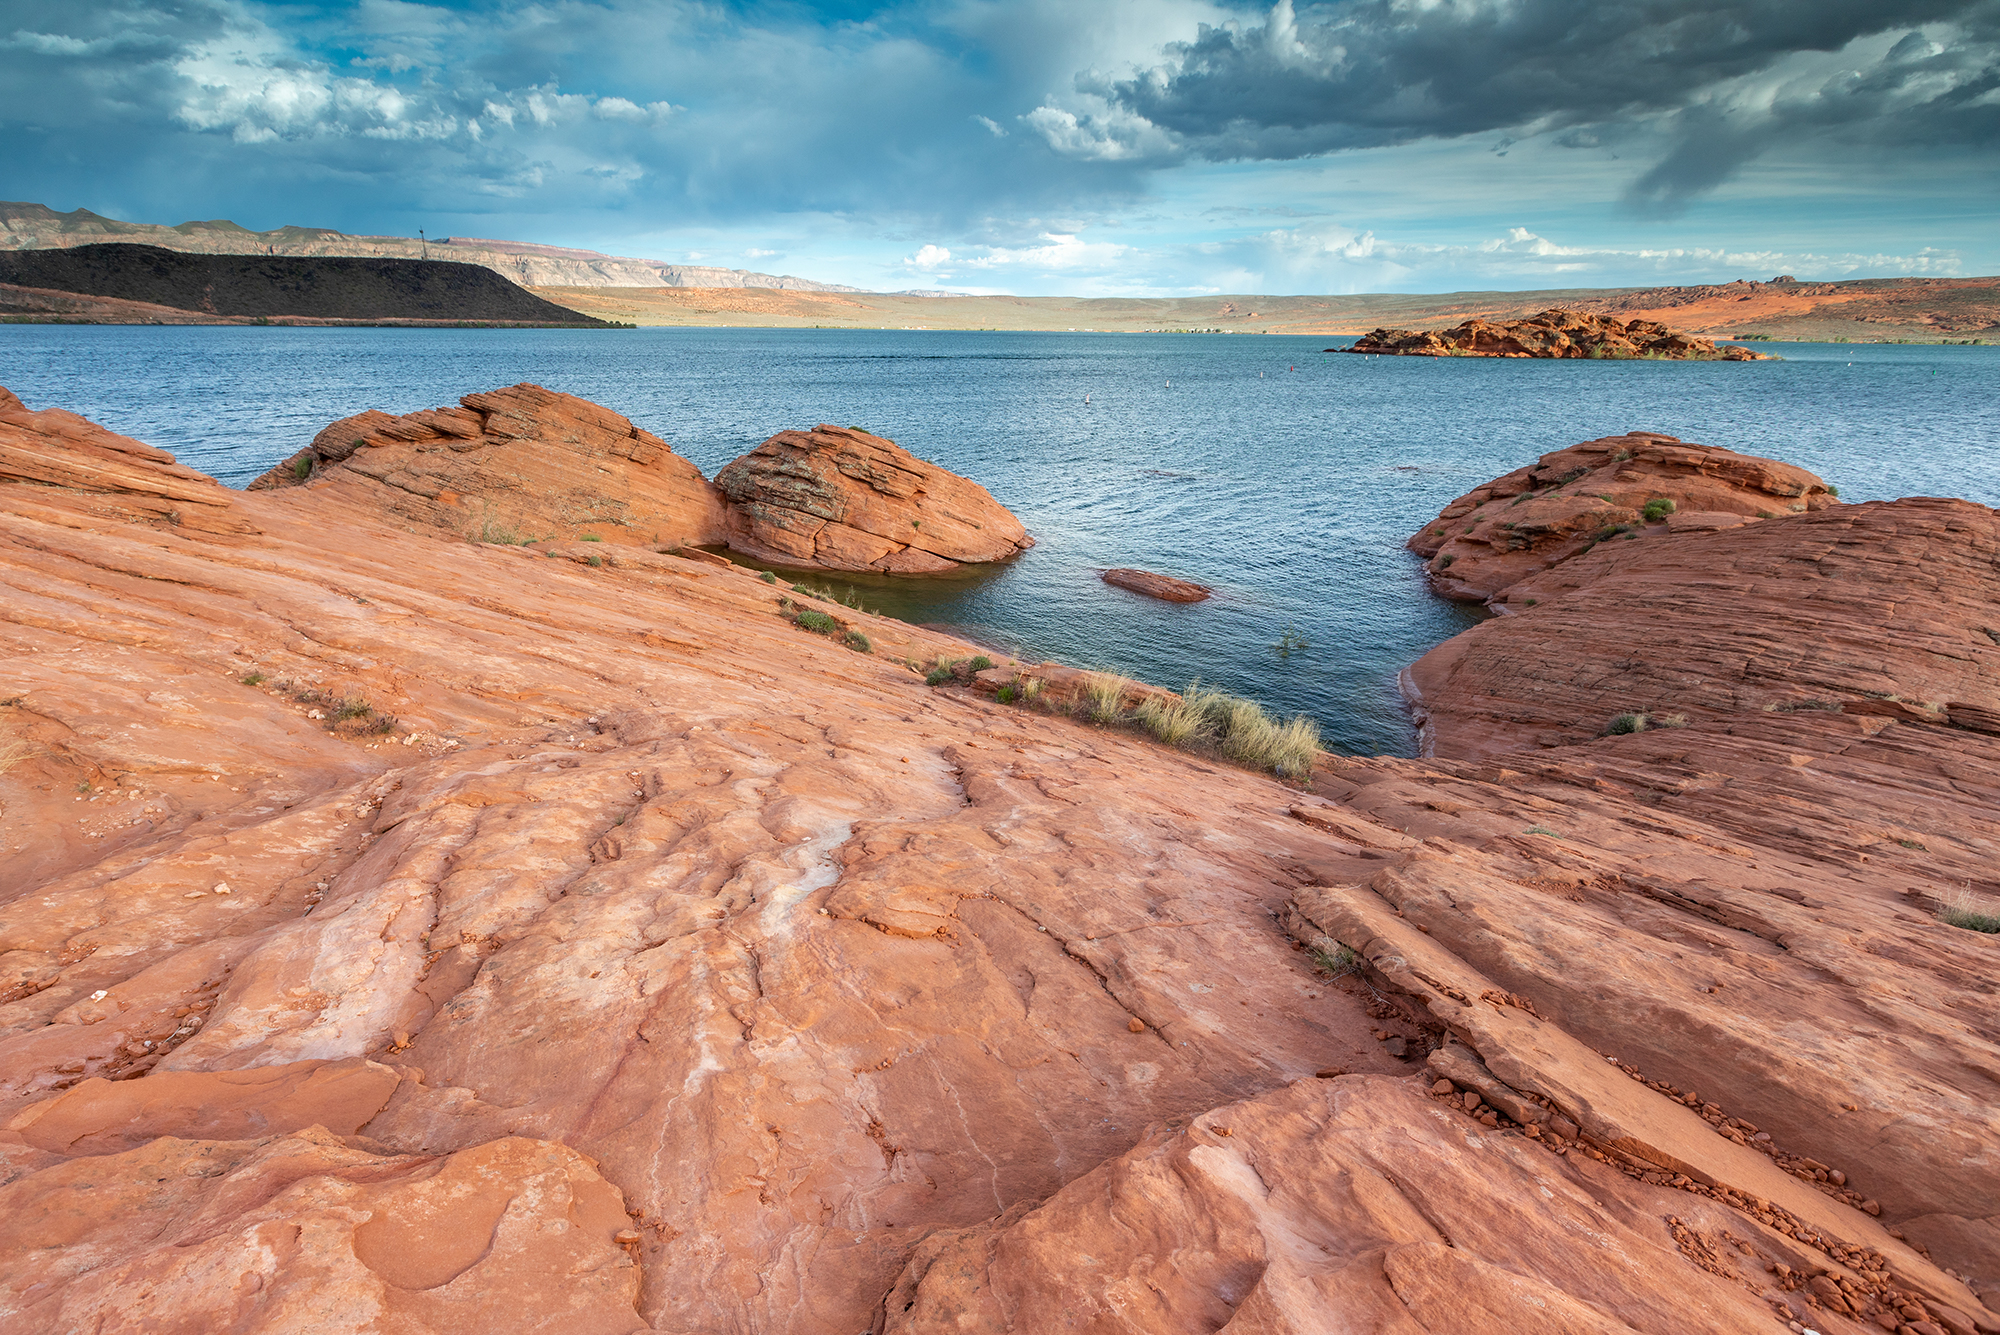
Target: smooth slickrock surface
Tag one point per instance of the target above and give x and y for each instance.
(307, 1233)
(1554, 333)
(512, 465)
(838, 498)
(1349, 1204)
(654, 929)
(1164, 587)
(1482, 545)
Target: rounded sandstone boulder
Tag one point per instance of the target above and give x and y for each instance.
(840, 498)
(1640, 484)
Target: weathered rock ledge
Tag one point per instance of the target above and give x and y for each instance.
(661, 966)
(1555, 334)
(1640, 485)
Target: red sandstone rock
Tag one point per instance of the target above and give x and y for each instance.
(294, 1233)
(462, 469)
(1165, 587)
(830, 975)
(1558, 334)
(838, 498)
(1570, 501)
(74, 458)
(1354, 1203)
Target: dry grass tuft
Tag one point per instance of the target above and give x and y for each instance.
(1964, 909)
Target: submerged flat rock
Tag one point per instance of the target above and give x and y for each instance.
(648, 962)
(1164, 587)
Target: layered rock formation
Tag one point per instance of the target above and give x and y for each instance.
(1636, 486)
(1554, 333)
(839, 498)
(710, 976)
(511, 466)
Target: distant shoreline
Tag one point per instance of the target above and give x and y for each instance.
(1879, 311)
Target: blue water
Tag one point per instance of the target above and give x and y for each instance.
(1290, 491)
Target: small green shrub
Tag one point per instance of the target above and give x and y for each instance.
(1974, 915)
(384, 724)
(769, 578)
(588, 537)
(858, 642)
(1336, 959)
(980, 664)
(352, 707)
(1912, 843)
(1626, 723)
(819, 623)
(1541, 829)
(302, 468)
(596, 560)
(1657, 509)
(1833, 491)
(1444, 562)
(256, 679)
(1009, 693)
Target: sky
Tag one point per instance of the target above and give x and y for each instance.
(1041, 147)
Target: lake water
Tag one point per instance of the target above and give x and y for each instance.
(1285, 477)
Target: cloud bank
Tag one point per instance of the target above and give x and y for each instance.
(1720, 81)
(1140, 146)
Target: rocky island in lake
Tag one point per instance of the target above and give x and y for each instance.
(1557, 334)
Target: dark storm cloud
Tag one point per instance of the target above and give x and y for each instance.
(1723, 80)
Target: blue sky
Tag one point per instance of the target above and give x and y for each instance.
(1122, 148)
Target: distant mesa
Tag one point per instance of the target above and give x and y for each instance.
(841, 498)
(25, 226)
(1556, 333)
(1164, 587)
(268, 287)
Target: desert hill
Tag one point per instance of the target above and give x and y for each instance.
(257, 287)
(25, 226)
